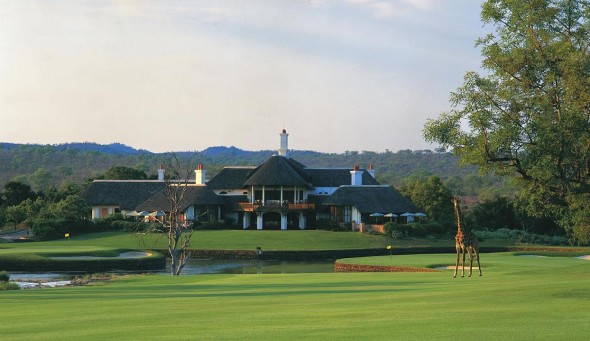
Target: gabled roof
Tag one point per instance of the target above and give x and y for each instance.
(230, 178)
(336, 177)
(126, 194)
(279, 171)
(371, 199)
(194, 195)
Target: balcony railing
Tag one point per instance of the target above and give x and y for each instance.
(274, 205)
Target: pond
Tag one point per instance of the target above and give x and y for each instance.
(208, 266)
(203, 266)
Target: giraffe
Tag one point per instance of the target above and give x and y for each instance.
(465, 240)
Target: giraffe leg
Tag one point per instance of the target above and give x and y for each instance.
(456, 264)
(476, 251)
(463, 263)
(469, 249)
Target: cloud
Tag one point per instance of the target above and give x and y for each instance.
(386, 9)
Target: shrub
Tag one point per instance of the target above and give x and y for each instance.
(123, 225)
(210, 225)
(434, 228)
(4, 276)
(521, 236)
(393, 230)
(417, 230)
(50, 228)
(8, 286)
(330, 225)
(431, 238)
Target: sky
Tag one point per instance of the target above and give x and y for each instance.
(348, 75)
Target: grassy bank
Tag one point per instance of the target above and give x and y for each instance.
(310, 240)
(518, 298)
(43, 257)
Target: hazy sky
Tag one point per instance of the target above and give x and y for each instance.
(186, 75)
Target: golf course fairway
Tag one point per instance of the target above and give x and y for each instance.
(517, 298)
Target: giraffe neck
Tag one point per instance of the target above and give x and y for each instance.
(459, 216)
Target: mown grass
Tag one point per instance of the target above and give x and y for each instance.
(249, 240)
(518, 298)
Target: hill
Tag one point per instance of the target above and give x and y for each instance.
(46, 165)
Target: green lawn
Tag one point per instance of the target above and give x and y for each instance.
(249, 240)
(230, 240)
(518, 298)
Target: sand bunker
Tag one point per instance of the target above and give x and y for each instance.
(587, 257)
(29, 285)
(448, 267)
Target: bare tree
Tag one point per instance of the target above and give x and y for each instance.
(179, 231)
(173, 224)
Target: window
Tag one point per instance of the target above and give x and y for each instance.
(347, 214)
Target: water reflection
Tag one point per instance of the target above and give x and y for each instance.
(211, 266)
(202, 266)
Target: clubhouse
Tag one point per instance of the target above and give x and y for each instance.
(280, 193)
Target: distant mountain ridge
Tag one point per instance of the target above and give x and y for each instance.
(112, 148)
(52, 165)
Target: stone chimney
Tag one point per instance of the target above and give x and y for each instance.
(356, 176)
(161, 172)
(200, 175)
(284, 150)
(372, 170)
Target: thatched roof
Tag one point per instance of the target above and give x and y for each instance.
(194, 195)
(126, 194)
(230, 177)
(336, 177)
(279, 171)
(371, 199)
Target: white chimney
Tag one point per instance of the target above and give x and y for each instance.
(200, 175)
(284, 150)
(356, 176)
(161, 172)
(372, 171)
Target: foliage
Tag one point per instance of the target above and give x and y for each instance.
(521, 236)
(15, 215)
(414, 230)
(432, 196)
(16, 192)
(393, 230)
(527, 116)
(4, 276)
(50, 229)
(8, 286)
(331, 225)
(124, 173)
(498, 213)
(211, 225)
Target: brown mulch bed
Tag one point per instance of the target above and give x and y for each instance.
(341, 267)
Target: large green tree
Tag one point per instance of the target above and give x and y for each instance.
(527, 115)
(432, 196)
(16, 192)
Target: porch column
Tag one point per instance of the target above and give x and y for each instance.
(263, 196)
(252, 195)
(259, 221)
(246, 220)
(295, 196)
(218, 213)
(281, 195)
(301, 221)
(283, 221)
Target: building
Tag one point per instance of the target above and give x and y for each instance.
(279, 193)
